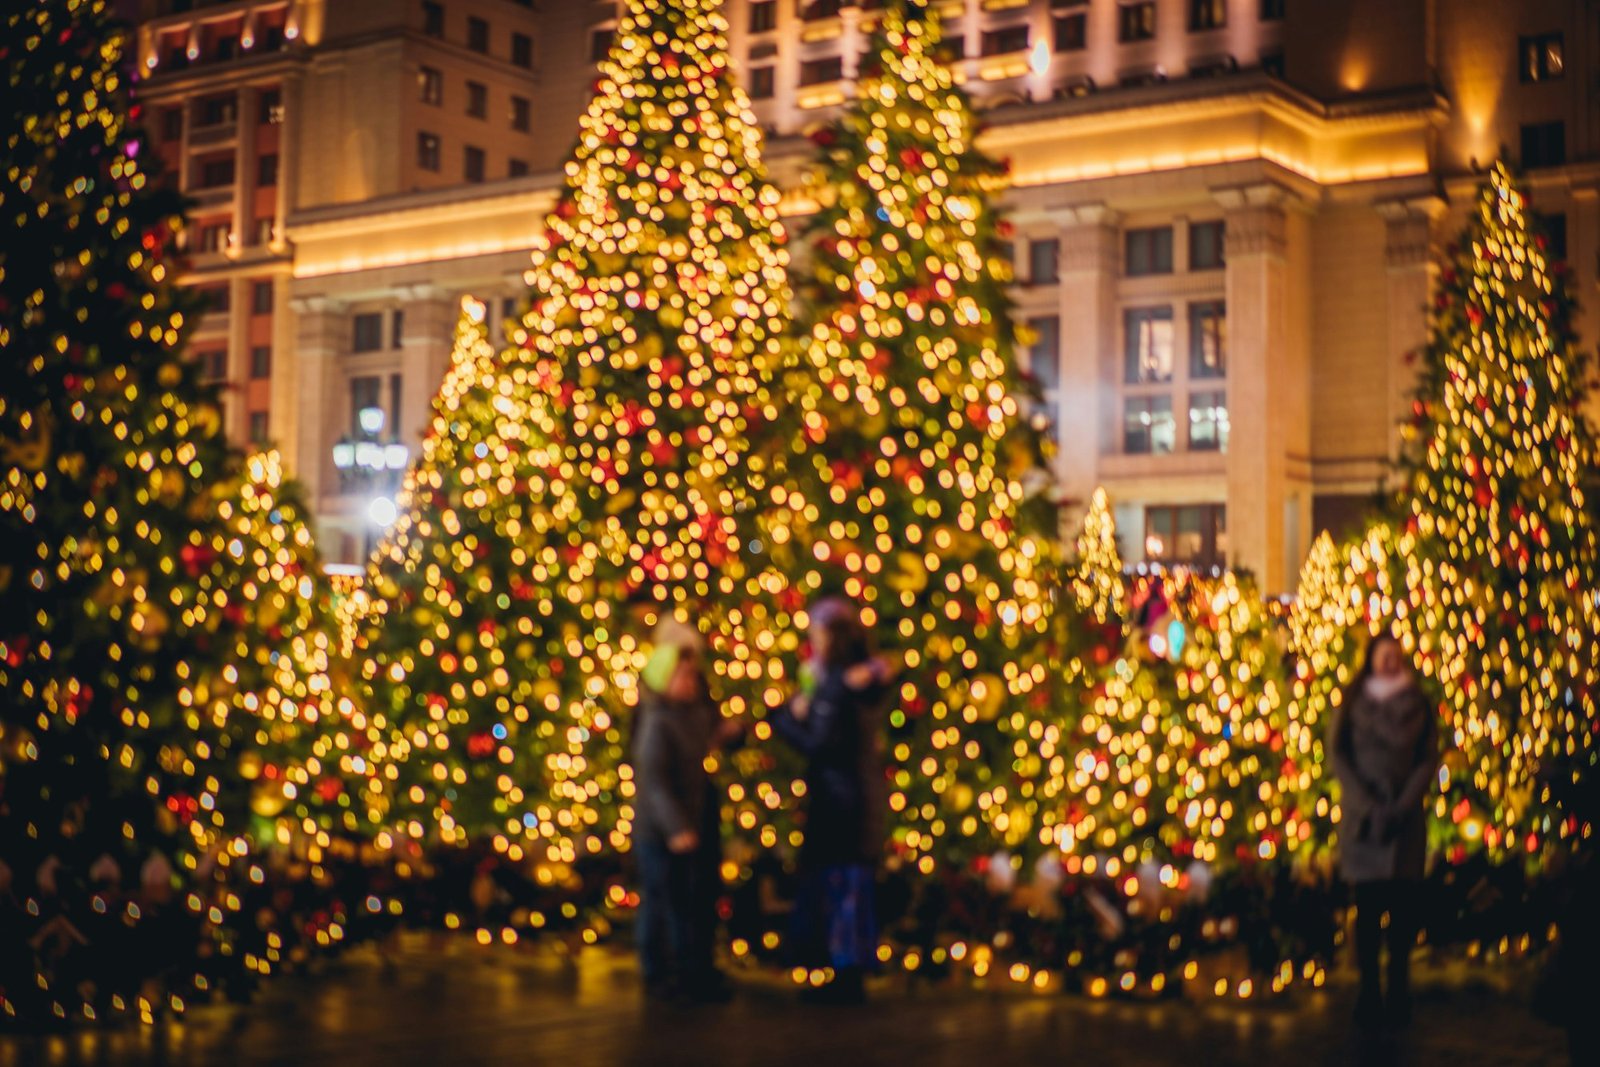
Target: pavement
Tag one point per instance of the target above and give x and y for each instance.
(448, 1001)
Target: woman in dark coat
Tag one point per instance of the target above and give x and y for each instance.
(1385, 754)
(835, 724)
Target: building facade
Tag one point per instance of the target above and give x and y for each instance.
(1224, 212)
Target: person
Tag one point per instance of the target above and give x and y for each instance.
(1385, 756)
(833, 722)
(677, 834)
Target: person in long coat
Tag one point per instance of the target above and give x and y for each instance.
(834, 723)
(677, 832)
(1385, 755)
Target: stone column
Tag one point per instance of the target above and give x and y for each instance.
(284, 417)
(425, 348)
(1269, 498)
(320, 395)
(1086, 416)
(244, 168)
(1408, 255)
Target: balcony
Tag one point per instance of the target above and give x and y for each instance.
(220, 133)
(212, 198)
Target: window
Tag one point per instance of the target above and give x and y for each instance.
(473, 164)
(430, 86)
(521, 114)
(432, 18)
(1542, 57)
(1044, 356)
(368, 332)
(521, 50)
(1205, 245)
(1044, 260)
(270, 107)
(218, 110)
(820, 9)
(1072, 32)
(477, 100)
(817, 71)
(516, 168)
(1553, 229)
(1208, 421)
(428, 151)
(214, 238)
(1272, 63)
(478, 34)
(172, 124)
(365, 392)
(952, 48)
(1136, 22)
(397, 327)
(260, 362)
(763, 85)
(260, 298)
(1208, 339)
(1148, 345)
(1005, 39)
(267, 171)
(215, 172)
(764, 16)
(1148, 428)
(1207, 14)
(217, 297)
(214, 365)
(600, 44)
(1148, 251)
(1272, 10)
(258, 427)
(1196, 534)
(1544, 144)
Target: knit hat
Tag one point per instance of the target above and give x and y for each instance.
(673, 637)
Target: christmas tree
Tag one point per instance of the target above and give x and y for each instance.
(1499, 554)
(1101, 592)
(308, 748)
(913, 479)
(468, 632)
(125, 598)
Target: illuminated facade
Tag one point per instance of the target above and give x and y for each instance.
(1224, 214)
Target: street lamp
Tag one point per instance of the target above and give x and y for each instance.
(368, 464)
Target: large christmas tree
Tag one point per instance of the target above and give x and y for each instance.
(127, 596)
(1499, 553)
(912, 476)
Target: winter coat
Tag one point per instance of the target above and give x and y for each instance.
(1385, 755)
(839, 736)
(670, 745)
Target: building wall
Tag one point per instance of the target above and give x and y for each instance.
(1335, 144)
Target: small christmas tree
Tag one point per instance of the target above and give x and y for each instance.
(911, 477)
(1101, 592)
(472, 631)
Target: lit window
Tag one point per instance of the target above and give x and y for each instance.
(430, 86)
(1208, 339)
(1207, 14)
(1149, 345)
(1136, 22)
(1208, 421)
(1542, 57)
(1148, 427)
